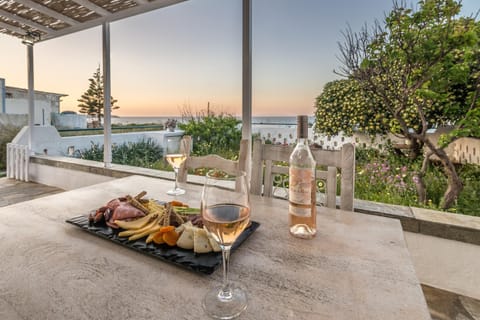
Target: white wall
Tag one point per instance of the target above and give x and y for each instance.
(17, 120)
(46, 140)
(466, 150)
(85, 142)
(69, 121)
(288, 135)
(67, 179)
(43, 109)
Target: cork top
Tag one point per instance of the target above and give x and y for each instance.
(302, 127)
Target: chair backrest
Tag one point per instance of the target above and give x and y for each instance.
(211, 161)
(267, 156)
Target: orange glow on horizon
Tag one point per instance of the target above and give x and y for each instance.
(174, 107)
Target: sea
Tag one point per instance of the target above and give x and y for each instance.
(278, 129)
(277, 121)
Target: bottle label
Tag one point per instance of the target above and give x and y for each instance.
(300, 191)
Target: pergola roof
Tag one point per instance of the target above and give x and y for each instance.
(48, 19)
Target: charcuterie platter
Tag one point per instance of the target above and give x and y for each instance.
(169, 231)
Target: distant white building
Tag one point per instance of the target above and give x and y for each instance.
(15, 101)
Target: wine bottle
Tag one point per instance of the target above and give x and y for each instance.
(302, 187)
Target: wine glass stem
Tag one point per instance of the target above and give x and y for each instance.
(225, 293)
(176, 174)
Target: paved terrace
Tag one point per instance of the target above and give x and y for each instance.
(12, 191)
(445, 248)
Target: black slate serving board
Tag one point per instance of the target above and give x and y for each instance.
(205, 263)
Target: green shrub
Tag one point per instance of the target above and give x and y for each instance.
(366, 155)
(214, 134)
(436, 185)
(469, 198)
(95, 152)
(7, 133)
(145, 153)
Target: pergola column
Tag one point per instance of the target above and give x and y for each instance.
(31, 91)
(107, 125)
(247, 77)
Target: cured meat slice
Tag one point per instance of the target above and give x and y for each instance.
(124, 211)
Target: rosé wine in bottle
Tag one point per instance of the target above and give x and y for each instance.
(302, 188)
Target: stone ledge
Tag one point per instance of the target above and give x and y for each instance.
(95, 167)
(450, 226)
(429, 222)
(404, 214)
(115, 171)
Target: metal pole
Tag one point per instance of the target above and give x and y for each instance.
(107, 126)
(247, 77)
(31, 95)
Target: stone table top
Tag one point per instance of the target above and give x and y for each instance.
(357, 267)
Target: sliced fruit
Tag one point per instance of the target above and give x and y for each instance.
(171, 237)
(158, 237)
(175, 203)
(167, 229)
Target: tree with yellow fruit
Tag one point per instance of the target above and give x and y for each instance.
(416, 71)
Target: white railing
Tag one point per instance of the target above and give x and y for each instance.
(466, 150)
(17, 161)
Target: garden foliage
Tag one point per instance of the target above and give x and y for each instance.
(144, 153)
(214, 134)
(384, 177)
(7, 133)
(415, 71)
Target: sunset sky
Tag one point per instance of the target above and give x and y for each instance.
(189, 54)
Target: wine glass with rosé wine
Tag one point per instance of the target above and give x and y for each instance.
(225, 209)
(175, 157)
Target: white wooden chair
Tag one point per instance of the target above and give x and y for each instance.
(266, 167)
(211, 161)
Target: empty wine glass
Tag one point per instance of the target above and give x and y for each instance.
(175, 157)
(225, 208)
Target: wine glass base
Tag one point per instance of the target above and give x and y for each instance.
(225, 308)
(176, 192)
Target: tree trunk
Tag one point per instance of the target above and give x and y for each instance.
(454, 184)
(418, 180)
(421, 189)
(415, 148)
(454, 187)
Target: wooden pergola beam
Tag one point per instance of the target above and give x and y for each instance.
(49, 12)
(11, 28)
(92, 6)
(27, 22)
